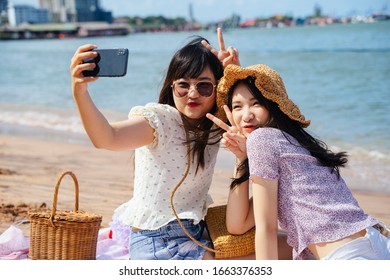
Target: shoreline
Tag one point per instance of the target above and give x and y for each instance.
(31, 165)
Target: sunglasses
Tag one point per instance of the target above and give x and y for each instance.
(181, 89)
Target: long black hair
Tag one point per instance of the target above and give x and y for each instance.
(278, 119)
(189, 62)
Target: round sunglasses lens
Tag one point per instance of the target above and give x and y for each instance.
(205, 89)
(180, 90)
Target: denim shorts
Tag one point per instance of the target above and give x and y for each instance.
(372, 246)
(169, 242)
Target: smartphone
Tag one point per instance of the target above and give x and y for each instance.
(109, 63)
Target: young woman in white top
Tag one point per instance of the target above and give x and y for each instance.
(160, 134)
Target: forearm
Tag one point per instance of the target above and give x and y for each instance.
(95, 124)
(240, 207)
(265, 205)
(266, 244)
(129, 134)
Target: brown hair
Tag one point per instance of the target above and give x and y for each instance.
(189, 62)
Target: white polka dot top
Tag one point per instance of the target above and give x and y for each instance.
(158, 169)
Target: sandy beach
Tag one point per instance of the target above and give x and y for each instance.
(30, 167)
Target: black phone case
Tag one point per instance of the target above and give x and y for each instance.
(109, 63)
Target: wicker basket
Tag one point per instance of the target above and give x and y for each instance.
(225, 244)
(63, 234)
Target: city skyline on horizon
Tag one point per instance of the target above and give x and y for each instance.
(214, 10)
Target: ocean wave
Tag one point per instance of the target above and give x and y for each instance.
(55, 119)
(69, 121)
(43, 120)
(357, 151)
(369, 154)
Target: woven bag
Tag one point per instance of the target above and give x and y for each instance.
(63, 234)
(227, 245)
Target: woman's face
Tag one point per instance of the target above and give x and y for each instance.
(187, 97)
(247, 112)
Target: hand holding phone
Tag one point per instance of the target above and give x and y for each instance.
(109, 63)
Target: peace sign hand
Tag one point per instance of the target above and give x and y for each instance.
(229, 56)
(232, 138)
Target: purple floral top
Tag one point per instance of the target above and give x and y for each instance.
(313, 204)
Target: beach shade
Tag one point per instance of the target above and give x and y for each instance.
(63, 234)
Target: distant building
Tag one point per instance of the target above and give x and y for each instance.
(18, 14)
(3, 5)
(62, 11)
(89, 10)
(3, 11)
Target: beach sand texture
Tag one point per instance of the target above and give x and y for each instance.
(30, 167)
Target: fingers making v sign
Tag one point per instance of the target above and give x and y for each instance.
(233, 139)
(229, 56)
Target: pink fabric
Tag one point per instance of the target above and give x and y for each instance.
(14, 245)
(110, 249)
(18, 255)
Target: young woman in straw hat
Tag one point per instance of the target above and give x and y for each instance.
(295, 178)
(160, 133)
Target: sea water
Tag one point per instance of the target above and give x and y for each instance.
(339, 75)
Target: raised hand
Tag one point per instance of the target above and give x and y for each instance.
(79, 82)
(232, 138)
(229, 56)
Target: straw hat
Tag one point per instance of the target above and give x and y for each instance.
(267, 81)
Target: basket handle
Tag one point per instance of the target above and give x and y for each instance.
(76, 204)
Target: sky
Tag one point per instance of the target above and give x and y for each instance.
(214, 10)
